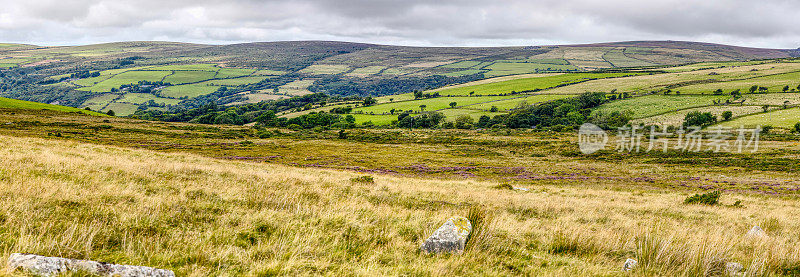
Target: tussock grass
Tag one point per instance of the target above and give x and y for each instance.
(202, 217)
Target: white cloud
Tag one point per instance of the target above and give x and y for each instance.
(766, 23)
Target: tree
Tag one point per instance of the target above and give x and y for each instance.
(786, 88)
(726, 115)
(494, 109)
(765, 108)
(464, 122)
(417, 94)
(786, 104)
(453, 104)
(718, 92)
(736, 94)
(797, 127)
(753, 89)
(391, 99)
(350, 119)
(369, 101)
(697, 118)
(422, 107)
(471, 93)
(111, 113)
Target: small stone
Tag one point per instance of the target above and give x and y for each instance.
(449, 238)
(733, 269)
(521, 188)
(50, 266)
(629, 265)
(756, 232)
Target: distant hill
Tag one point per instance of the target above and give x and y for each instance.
(144, 75)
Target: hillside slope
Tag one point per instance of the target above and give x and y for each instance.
(183, 75)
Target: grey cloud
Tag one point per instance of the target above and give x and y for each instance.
(765, 23)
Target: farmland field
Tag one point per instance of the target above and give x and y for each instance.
(325, 69)
(121, 109)
(504, 105)
(129, 77)
(99, 102)
(528, 84)
(190, 91)
(505, 68)
(676, 118)
(6, 103)
(777, 118)
(139, 98)
(650, 105)
(183, 77)
(236, 81)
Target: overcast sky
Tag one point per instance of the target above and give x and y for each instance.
(757, 23)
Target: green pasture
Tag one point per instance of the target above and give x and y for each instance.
(650, 105)
(325, 69)
(233, 73)
(199, 67)
(779, 118)
(140, 98)
(504, 105)
(121, 109)
(8, 103)
(184, 77)
(774, 83)
(375, 119)
(236, 81)
(99, 102)
(512, 68)
(365, 71)
(190, 90)
(129, 77)
(452, 114)
(528, 84)
(619, 59)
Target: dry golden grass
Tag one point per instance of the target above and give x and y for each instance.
(202, 216)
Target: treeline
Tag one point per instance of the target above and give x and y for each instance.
(564, 114)
(337, 85)
(213, 113)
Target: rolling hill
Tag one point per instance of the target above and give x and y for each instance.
(174, 75)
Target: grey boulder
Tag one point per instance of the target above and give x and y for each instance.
(50, 266)
(450, 238)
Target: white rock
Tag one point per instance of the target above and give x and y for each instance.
(756, 232)
(734, 269)
(449, 238)
(49, 266)
(521, 188)
(629, 265)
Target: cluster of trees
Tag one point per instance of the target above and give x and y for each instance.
(567, 112)
(84, 74)
(701, 119)
(212, 113)
(418, 94)
(141, 87)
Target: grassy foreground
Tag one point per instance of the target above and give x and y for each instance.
(202, 216)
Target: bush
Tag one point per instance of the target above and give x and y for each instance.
(504, 186)
(766, 129)
(366, 179)
(726, 115)
(797, 127)
(711, 198)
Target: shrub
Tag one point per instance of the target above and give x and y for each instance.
(797, 127)
(711, 198)
(726, 115)
(504, 186)
(766, 129)
(366, 179)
